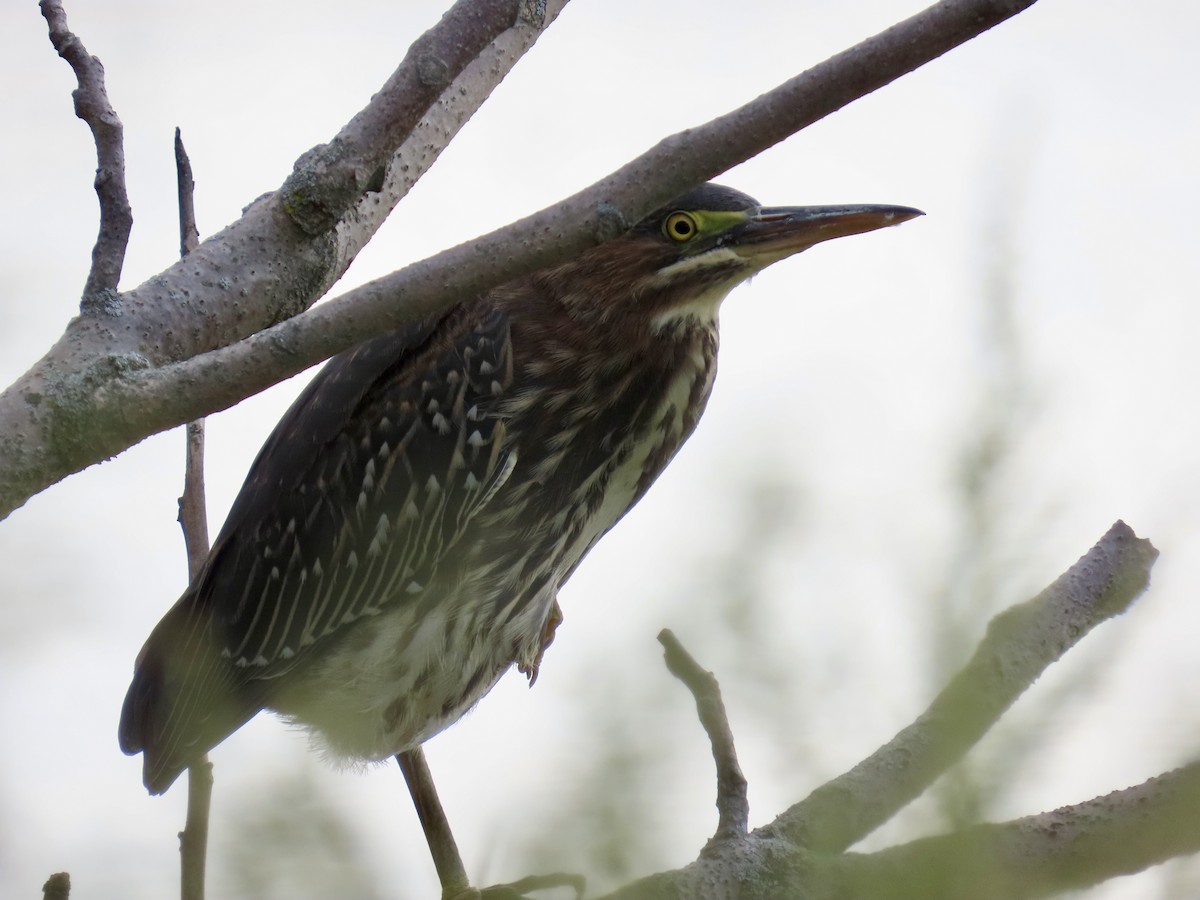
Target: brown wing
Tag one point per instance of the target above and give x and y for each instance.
(367, 481)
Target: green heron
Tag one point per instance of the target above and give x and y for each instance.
(401, 538)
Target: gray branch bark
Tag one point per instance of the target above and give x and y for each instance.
(800, 854)
(145, 362)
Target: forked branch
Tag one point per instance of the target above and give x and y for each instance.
(1073, 847)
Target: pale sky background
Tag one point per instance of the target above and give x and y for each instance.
(1060, 150)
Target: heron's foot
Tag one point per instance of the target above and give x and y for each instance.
(517, 890)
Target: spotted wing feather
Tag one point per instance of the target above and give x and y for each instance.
(359, 494)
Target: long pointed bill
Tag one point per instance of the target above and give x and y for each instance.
(778, 232)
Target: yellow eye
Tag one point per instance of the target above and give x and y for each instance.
(680, 226)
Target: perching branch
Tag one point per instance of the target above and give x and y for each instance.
(162, 369)
(92, 105)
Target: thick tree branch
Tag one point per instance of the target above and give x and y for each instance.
(1068, 849)
(219, 379)
(92, 105)
(331, 179)
(259, 270)
(68, 412)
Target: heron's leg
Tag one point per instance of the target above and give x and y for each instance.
(442, 847)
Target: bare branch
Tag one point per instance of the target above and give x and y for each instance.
(331, 179)
(733, 806)
(803, 848)
(126, 393)
(193, 840)
(1068, 849)
(193, 516)
(272, 267)
(1020, 643)
(92, 105)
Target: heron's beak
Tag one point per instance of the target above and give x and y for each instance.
(772, 233)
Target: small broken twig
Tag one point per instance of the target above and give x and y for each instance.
(733, 807)
(92, 105)
(189, 236)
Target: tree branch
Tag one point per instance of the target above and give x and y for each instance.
(92, 105)
(803, 848)
(107, 402)
(189, 235)
(1068, 849)
(1020, 644)
(193, 517)
(264, 261)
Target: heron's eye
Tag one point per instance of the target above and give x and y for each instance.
(680, 227)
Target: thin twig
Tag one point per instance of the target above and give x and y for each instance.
(193, 517)
(733, 807)
(442, 846)
(1020, 643)
(193, 840)
(92, 105)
